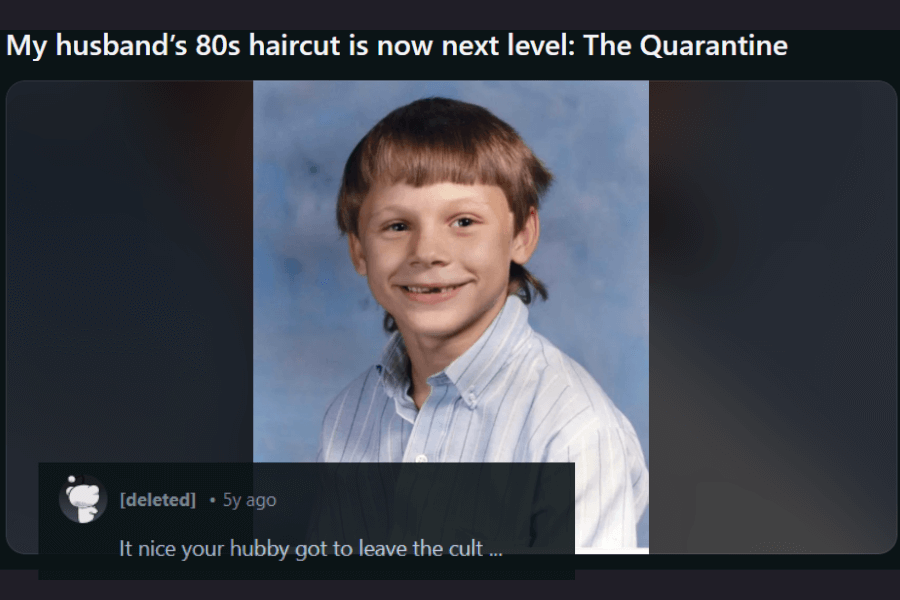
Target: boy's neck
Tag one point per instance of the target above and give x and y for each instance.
(430, 355)
(424, 366)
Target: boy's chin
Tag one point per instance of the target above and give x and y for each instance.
(445, 325)
(435, 326)
(446, 321)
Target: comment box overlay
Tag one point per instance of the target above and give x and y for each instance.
(290, 513)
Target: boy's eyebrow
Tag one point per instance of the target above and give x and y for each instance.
(386, 209)
(461, 202)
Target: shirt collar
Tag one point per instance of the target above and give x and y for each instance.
(476, 367)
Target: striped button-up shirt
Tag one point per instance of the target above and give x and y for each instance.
(511, 397)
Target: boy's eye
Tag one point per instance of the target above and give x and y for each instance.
(397, 227)
(463, 222)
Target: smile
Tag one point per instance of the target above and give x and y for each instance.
(429, 294)
(428, 290)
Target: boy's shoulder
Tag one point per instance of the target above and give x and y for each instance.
(581, 392)
(574, 414)
(342, 411)
(356, 391)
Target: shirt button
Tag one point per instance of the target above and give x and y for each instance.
(421, 458)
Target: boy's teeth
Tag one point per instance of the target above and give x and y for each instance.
(424, 290)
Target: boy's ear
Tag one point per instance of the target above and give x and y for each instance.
(526, 241)
(357, 255)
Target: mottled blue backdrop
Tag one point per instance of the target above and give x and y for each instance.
(316, 326)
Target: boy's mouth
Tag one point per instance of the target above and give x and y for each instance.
(414, 289)
(431, 294)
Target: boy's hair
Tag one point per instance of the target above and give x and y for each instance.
(437, 140)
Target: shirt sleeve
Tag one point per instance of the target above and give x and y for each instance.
(611, 487)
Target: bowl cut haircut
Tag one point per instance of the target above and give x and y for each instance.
(438, 140)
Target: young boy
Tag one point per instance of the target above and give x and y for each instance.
(439, 202)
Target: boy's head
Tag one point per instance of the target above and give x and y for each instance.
(425, 156)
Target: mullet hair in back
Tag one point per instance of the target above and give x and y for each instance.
(438, 140)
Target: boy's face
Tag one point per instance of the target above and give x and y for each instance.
(437, 257)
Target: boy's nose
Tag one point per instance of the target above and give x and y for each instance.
(428, 249)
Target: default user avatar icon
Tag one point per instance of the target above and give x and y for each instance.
(84, 499)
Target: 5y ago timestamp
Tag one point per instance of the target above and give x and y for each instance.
(233, 502)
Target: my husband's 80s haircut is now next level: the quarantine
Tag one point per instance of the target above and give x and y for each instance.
(437, 140)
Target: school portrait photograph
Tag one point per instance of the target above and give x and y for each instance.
(457, 272)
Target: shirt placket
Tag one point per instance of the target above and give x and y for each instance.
(431, 423)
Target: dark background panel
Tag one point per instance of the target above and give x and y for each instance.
(773, 255)
(773, 259)
(129, 273)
